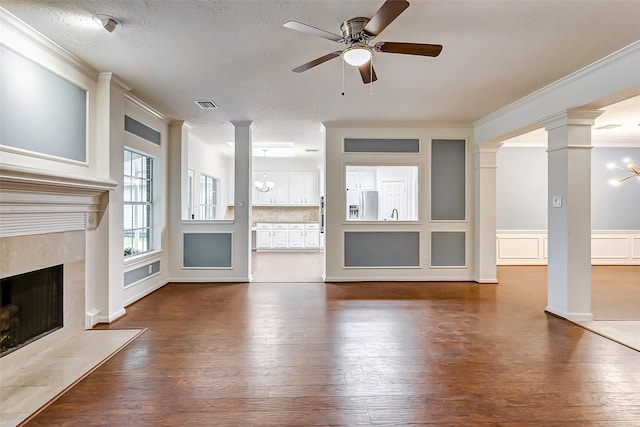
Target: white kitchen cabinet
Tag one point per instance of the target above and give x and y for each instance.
(296, 188)
(303, 188)
(361, 180)
(291, 189)
(312, 236)
(296, 236)
(263, 236)
(311, 188)
(280, 236)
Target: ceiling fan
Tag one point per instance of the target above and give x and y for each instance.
(357, 33)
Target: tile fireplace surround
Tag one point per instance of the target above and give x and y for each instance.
(44, 220)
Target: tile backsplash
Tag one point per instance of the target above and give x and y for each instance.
(285, 214)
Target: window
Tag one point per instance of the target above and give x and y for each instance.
(208, 196)
(190, 214)
(138, 205)
(381, 193)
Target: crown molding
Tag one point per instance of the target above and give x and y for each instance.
(150, 110)
(606, 62)
(13, 23)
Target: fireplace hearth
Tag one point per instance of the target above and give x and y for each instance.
(31, 306)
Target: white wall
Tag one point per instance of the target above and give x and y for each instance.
(335, 184)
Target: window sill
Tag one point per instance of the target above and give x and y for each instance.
(134, 261)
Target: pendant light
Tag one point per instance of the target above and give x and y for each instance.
(264, 186)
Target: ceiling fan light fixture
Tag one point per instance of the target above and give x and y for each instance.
(357, 54)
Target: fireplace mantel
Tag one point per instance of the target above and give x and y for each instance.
(34, 201)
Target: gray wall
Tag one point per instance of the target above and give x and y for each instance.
(521, 182)
(41, 111)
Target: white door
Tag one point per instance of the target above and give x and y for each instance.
(394, 200)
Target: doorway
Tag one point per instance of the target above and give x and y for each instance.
(285, 267)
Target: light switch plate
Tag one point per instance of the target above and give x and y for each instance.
(556, 201)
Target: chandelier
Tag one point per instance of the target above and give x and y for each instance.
(264, 186)
(629, 167)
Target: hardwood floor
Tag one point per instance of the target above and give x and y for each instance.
(348, 354)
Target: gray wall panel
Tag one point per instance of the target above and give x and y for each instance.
(447, 249)
(448, 176)
(140, 273)
(381, 249)
(364, 145)
(40, 111)
(140, 129)
(207, 250)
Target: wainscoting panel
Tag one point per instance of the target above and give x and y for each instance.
(523, 247)
(635, 251)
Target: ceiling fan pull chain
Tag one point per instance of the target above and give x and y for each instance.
(342, 75)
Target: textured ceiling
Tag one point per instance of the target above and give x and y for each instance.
(237, 54)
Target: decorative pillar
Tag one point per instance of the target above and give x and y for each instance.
(242, 198)
(485, 214)
(569, 213)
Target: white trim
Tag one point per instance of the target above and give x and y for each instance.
(33, 201)
(141, 104)
(145, 292)
(605, 62)
(112, 318)
(210, 280)
(36, 38)
(400, 279)
(530, 247)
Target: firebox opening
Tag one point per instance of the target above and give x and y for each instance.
(30, 307)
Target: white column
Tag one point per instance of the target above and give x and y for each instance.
(485, 214)
(177, 164)
(569, 213)
(242, 198)
(104, 255)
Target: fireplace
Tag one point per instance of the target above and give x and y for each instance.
(31, 306)
(50, 219)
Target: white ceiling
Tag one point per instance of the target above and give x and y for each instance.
(237, 54)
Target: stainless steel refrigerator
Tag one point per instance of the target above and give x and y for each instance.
(362, 205)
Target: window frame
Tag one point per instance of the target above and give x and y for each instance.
(139, 203)
(209, 196)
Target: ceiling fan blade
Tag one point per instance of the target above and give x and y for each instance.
(389, 11)
(368, 73)
(421, 49)
(312, 31)
(317, 61)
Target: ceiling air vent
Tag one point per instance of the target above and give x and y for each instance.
(207, 105)
(610, 126)
(311, 150)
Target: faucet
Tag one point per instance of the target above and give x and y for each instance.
(394, 212)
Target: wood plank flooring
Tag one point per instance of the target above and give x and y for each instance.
(307, 354)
